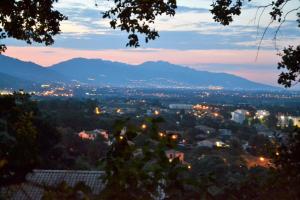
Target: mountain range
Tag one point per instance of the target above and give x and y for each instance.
(15, 73)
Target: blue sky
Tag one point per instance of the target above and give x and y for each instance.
(190, 38)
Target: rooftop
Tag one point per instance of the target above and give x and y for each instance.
(33, 187)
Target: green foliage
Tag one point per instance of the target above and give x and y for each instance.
(290, 63)
(136, 16)
(65, 192)
(29, 20)
(141, 171)
(25, 142)
(288, 164)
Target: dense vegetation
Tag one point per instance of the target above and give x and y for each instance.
(135, 162)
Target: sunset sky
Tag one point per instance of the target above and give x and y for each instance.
(191, 38)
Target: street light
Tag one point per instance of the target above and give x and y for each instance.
(262, 159)
(144, 126)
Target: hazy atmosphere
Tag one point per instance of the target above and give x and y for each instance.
(149, 99)
(191, 38)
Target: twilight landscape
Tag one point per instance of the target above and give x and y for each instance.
(149, 99)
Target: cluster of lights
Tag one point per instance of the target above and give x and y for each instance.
(200, 107)
(4, 92)
(97, 111)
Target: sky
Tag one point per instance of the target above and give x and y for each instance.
(191, 38)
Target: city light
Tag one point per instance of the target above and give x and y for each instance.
(219, 144)
(156, 112)
(161, 134)
(97, 111)
(174, 137)
(189, 167)
(119, 110)
(121, 137)
(144, 126)
(262, 159)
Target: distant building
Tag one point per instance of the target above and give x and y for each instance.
(210, 143)
(261, 114)
(206, 143)
(92, 135)
(296, 121)
(261, 128)
(283, 120)
(36, 182)
(175, 134)
(269, 133)
(173, 154)
(181, 106)
(205, 129)
(225, 134)
(239, 115)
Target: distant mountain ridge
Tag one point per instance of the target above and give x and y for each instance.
(99, 72)
(28, 71)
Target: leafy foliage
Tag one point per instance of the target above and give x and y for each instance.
(142, 170)
(29, 20)
(291, 64)
(136, 16)
(64, 192)
(25, 141)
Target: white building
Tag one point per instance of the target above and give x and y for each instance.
(296, 121)
(285, 121)
(239, 115)
(181, 106)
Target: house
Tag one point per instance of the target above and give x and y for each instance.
(296, 121)
(206, 143)
(92, 135)
(173, 154)
(176, 135)
(268, 133)
(181, 106)
(210, 143)
(205, 129)
(38, 180)
(225, 134)
(239, 115)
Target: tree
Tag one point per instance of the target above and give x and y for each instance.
(142, 170)
(26, 140)
(224, 10)
(135, 16)
(29, 20)
(287, 160)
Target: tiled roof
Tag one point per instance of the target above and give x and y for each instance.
(33, 187)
